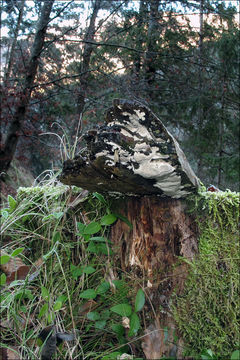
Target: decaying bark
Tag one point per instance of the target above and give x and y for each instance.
(136, 159)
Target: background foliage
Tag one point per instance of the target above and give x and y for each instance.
(149, 50)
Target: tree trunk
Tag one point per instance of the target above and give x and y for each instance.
(134, 158)
(153, 37)
(86, 57)
(161, 232)
(7, 154)
(200, 83)
(13, 47)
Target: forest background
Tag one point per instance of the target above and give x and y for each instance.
(65, 61)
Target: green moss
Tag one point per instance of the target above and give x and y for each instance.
(208, 312)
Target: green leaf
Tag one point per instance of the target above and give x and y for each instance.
(44, 292)
(93, 315)
(140, 300)
(24, 294)
(4, 259)
(81, 227)
(113, 356)
(103, 288)
(92, 248)
(17, 252)
(104, 249)
(75, 271)
(100, 324)
(89, 270)
(92, 228)
(43, 310)
(58, 215)
(122, 309)
(134, 324)
(12, 203)
(235, 355)
(123, 218)
(108, 219)
(118, 329)
(99, 197)
(57, 306)
(88, 294)
(3, 279)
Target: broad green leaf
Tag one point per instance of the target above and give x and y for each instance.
(108, 219)
(104, 249)
(62, 298)
(99, 197)
(102, 288)
(123, 218)
(58, 215)
(93, 315)
(4, 259)
(12, 203)
(134, 324)
(3, 279)
(24, 294)
(140, 300)
(92, 228)
(17, 252)
(43, 310)
(44, 292)
(81, 227)
(57, 306)
(122, 309)
(92, 248)
(235, 355)
(100, 324)
(88, 294)
(118, 329)
(89, 270)
(75, 271)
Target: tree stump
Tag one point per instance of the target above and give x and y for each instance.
(134, 158)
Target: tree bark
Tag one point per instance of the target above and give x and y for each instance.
(153, 36)
(13, 47)
(86, 57)
(7, 154)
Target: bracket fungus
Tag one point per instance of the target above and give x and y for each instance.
(131, 154)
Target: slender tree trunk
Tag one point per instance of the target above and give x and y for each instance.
(86, 57)
(7, 154)
(200, 84)
(221, 133)
(13, 47)
(153, 36)
(139, 44)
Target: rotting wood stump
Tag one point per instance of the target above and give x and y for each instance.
(134, 158)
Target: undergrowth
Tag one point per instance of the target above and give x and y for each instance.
(207, 314)
(61, 232)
